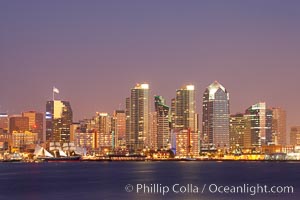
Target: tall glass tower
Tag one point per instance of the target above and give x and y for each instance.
(279, 126)
(59, 117)
(163, 123)
(138, 111)
(215, 119)
(261, 124)
(185, 109)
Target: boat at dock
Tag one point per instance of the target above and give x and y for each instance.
(130, 157)
(95, 158)
(15, 157)
(43, 155)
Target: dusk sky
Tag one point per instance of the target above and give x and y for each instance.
(95, 51)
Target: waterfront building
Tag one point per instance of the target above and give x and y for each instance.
(295, 136)
(88, 125)
(59, 118)
(128, 135)
(184, 120)
(187, 143)
(261, 124)
(85, 140)
(269, 126)
(18, 123)
(173, 113)
(119, 127)
(215, 118)
(85, 134)
(22, 140)
(163, 134)
(5, 138)
(74, 128)
(137, 110)
(279, 136)
(153, 128)
(36, 124)
(239, 131)
(105, 137)
(185, 109)
(4, 121)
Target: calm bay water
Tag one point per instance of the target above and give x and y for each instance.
(107, 180)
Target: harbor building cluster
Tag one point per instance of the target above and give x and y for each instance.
(148, 126)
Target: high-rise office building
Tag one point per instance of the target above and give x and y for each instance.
(119, 127)
(105, 136)
(239, 131)
(152, 140)
(138, 109)
(185, 109)
(5, 136)
(187, 144)
(184, 122)
(59, 118)
(173, 113)
(269, 126)
(85, 134)
(36, 123)
(18, 123)
(85, 140)
(23, 139)
(128, 124)
(163, 123)
(279, 135)
(295, 135)
(74, 128)
(215, 119)
(261, 124)
(4, 122)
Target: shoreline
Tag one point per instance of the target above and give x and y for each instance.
(152, 160)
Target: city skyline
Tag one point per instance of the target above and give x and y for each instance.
(122, 106)
(86, 49)
(145, 129)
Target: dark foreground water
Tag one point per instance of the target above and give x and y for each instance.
(148, 180)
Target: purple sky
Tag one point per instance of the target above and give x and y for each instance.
(95, 51)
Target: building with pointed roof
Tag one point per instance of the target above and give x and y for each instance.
(215, 119)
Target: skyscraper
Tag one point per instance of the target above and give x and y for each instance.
(18, 123)
(295, 135)
(215, 120)
(173, 113)
(138, 106)
(152, 140)
(119, 127)
(21, 140)
(103, 127)
(279, 126)
(185, 123)
(59, 118)
(187, 144)
(128, 124)
(4, 134)
(239, 132)
(261, 124)
(185, 109)
(4, 122)
(36, 123)
(163, 122)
